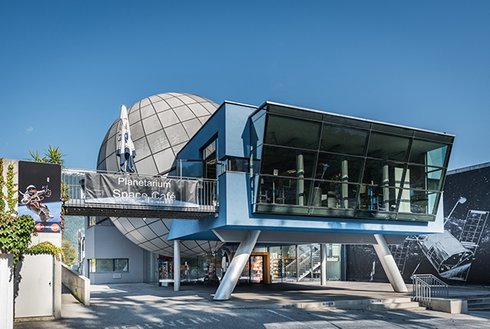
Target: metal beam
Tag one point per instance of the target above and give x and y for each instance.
(323, 260)
(389, 264)
(176, 265)
(232, 275)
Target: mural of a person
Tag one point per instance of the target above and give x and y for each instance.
(32, 198)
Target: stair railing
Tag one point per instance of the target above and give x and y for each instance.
(428, 286)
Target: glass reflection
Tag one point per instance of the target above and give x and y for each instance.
(388, 147)
(344, 140)
(292, 132)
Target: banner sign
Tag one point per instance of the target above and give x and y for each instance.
(137, 190)
(40, 194)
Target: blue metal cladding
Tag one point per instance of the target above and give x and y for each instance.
(240, 131)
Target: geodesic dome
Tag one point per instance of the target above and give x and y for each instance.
(160, 126)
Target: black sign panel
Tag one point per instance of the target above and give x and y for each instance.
(139, 190)
(40, 194)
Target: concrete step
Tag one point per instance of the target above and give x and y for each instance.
(478, 304)
(397, 300)
(478, 301)
(394, 306)
(482, 307)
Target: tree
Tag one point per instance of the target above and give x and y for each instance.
(52, 155)
(69, 252)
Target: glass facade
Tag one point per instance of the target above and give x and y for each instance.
(296, 263)
(319, 164)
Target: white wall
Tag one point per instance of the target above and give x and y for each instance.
(107, 242)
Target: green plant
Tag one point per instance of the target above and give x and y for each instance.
(52, 155)
(69, 252)
(15, 231)
(45, 248)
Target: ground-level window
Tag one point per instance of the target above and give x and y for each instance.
(101, 265)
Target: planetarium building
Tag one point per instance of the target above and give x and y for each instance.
(278, 191)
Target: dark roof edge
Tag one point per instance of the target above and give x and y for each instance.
(355, 118)
(469, 168)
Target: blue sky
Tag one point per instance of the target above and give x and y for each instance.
(67, 66)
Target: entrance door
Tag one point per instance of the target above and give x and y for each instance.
(334, 261)
(36, 287)
(257, 269)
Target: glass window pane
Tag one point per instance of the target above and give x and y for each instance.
(418, 202)
(287, 162)
(284, 191)
(428, 153)
(388, 147)
(378, 198)
(238, 164)
(121, 265)
(92, 265)
(104, 265)
(339, 167)
(292, 132)
(382, 173)
(425, 178)
(334, 195)
(434, 179)
(343, 140)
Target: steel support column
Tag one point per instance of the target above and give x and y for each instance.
(389, 264)
(232, 275)
(323, 260)
(176, 265)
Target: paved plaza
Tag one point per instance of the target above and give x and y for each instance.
(145, 306)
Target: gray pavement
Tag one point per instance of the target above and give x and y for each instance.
(145, 306)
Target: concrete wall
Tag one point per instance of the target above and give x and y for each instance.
(40, 287)
(7, 292)
(78, 285)
(107, 242)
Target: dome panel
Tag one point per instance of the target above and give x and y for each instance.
(147, 111)
(144, 102)
(155, 99)
(174, 102)
(164, 159)
(168, 118)
(198, 109)
(146, 166)
(137, 130)
(192, 126)
(134, 116)
(151, 124)
(184, 113)
(176, 134)
(143, 148)
(161, 106)
(157, 142)
(187, 99)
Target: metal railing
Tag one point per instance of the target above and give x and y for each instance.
(428, 286)
(74, 181)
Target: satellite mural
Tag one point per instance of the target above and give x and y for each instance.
(461, 253)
